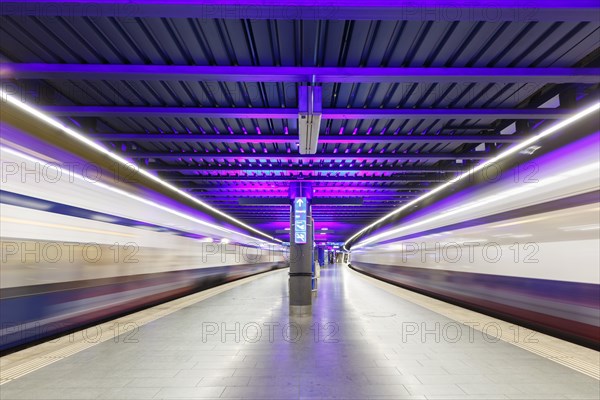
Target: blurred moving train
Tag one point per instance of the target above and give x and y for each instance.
(78, 248)
(523, 245)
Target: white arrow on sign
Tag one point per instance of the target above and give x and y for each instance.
(299, 202)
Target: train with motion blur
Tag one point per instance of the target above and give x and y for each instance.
(79, 246)
(522, 245)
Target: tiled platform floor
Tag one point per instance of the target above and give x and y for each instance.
(361, 342)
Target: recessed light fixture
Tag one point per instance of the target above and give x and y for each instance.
(530, 150)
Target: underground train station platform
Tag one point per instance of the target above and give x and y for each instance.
(364, 340)
(300, 199)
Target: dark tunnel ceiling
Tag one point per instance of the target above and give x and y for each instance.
(229, 135)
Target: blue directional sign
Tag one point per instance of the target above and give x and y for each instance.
(300, 220)
(300, 237)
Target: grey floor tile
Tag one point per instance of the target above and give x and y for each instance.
(224, 381)
(164, 382)
(130, 393)
(468, 397)
(208, 392)
(380, 371)
(331, 391)
(489, 388)
(262, 392)
(92, 382)
(535, 396)
(435, 389)
(203, 372)
(394, 380)
(453, 379)
(384, 390)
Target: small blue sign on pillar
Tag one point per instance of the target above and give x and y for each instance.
(300, 220)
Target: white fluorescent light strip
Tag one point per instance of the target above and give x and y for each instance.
(516, 148)
(487, 200)
(76, 135)
(134, 197)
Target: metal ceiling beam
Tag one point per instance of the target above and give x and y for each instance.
(285, 201)
(280, 209)
(447, 113)
(433, 10)
(335, 190)
(320, 199)
(279, 138)
(300, 74)
(215, 196)
(304, 168)
(286, 212)
(258, 205)
(200, 178)
(320, 218)
(292, 113)
(327, 156)
(337, 167)
(267, 191)
(165, 112)
(342, 204)
(281, 206)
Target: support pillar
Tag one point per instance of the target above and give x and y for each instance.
(301, 254)
(321, 255)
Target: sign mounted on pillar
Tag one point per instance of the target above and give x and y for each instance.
(300, 220)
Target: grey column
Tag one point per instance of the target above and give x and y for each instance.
(301, 257)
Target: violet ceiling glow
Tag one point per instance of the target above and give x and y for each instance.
(512, 150)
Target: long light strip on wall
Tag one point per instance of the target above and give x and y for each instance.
(81, 138)
(133, 196)
(512, 150)
(495, 198)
